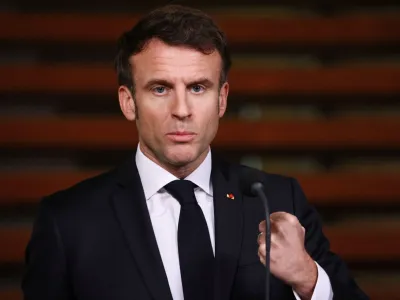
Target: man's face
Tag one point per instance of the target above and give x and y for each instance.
(178, 101)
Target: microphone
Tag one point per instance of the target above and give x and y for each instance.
(252, 185)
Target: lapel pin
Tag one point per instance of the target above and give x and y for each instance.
(230, 196)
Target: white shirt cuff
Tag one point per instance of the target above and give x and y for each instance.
(323, 287)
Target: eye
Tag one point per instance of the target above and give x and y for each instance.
(159, 90)
(197, 89)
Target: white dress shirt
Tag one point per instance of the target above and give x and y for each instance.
(164, 214)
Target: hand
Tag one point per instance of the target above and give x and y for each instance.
(290, 261)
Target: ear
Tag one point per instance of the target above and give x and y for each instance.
(223, 99)
(126, 103)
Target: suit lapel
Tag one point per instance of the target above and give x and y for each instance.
(228, 226)
(131, 211)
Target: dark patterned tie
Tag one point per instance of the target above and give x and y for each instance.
(196, 256)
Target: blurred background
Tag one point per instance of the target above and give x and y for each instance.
(315, 94)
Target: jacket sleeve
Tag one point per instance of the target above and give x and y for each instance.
(45, 275)
(317, 245)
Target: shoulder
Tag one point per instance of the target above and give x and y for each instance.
(283, 192)
(82, 193)
(246, 174)
(270, 180)
(280, 189)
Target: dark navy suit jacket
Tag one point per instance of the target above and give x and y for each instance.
(95, 241)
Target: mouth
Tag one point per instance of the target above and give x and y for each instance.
(181, 136)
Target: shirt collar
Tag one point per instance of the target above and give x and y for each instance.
(202, 175)
(154, 177)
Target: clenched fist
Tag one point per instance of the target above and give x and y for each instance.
(290, 261)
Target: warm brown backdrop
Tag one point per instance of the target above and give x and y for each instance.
(315, 94)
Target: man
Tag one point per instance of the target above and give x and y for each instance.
(141, 232)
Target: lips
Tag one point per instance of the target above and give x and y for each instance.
(181, 136)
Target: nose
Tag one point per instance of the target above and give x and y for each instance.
(180, 107)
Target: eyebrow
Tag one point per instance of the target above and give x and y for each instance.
(162, 82)
(201, 81)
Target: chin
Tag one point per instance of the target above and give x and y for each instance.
(180, 155)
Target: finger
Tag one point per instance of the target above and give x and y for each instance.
(262, 250)
(278, 222)
(261, 238)
(261, 226)
(304, 230)
(281, 216)
(277, 228)
(278, 215)
(292, 220)
(262, 260)
(275, 240)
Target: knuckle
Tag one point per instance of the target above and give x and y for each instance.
(292, 220)
(279, 228)
(260, 238)
(261, 226)
(275, 216)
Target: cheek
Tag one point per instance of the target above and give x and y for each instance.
(209, 112)
(152, 118)
(209, 119)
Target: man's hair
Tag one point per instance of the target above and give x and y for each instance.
(175, 25)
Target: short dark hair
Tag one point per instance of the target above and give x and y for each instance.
(175, 25)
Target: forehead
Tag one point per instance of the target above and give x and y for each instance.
(173, 62)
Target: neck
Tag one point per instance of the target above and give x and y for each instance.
(179, 171)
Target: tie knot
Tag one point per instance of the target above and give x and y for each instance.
(182, 190)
